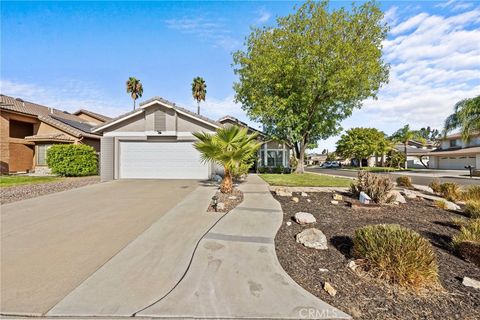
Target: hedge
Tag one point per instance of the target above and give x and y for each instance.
(72, 160)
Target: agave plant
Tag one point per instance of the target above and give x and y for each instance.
(230, 147)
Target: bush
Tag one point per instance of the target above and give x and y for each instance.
(262, 169)
(435, 185)
(404, 181)
(440, 204)
(72, 160)
(396, 254)
(376, 187)
(472, 193)
(468, 232)
(278, 169)
(450, 191)
(472, 209)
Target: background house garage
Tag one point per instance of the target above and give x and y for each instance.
(456, 162)
(160, 160)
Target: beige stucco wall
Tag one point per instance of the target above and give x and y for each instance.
(134, 124)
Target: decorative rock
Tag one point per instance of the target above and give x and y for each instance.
(334, 202)
(289, 223)
(304, 194)
(312, 238)
(330, 290)
(352, 265)
(282, 192)
(220, 206)
(304, 218)
(364, 198)
(451, 206)
(469, 282)
(409, 194)
(397, 196)
(217, 178)
(308, 200)
(295, 199)
(323, 270)
(232, 198)
(423, 188)
(337, 197)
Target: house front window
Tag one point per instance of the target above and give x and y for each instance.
(453, 143)
(42, 154)
(275, 158)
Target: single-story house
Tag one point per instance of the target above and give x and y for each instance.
(156, 140)
(315, 159)
(28, 129)
(454, 153)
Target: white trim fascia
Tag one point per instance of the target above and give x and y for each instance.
(118, 120)
(125, 134)
(149, 134)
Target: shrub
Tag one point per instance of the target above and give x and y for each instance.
(440, 204)
(404, 181)
(472, 193)
(468, 232)
(72, 160)
(396, 254)
(458, 222)
(472, 209)
(376, 187)
(262, 169)
(450, 191)
(435, 185)
(278, 169)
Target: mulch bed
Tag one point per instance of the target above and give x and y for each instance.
(230, 201)
(22, 192)
(362, 297)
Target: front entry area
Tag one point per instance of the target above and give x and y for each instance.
(160, 160)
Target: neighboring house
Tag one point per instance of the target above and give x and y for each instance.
(315, 159)
(28, 129)
(156, 142)
(454, 153)
(417, 153)
(272, 153)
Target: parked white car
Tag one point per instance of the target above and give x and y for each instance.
(330, 164)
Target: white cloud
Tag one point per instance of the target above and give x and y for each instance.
(264, 16)
(70, 96)
(214, 31)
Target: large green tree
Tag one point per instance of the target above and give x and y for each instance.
(304, 76)
(361, 143)
(199, 91)
(405, 134)
(135, 88)
(466, 117)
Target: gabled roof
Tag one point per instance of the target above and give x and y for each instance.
(151, 102)
(92, 114)
(59, 119)
(240, 123)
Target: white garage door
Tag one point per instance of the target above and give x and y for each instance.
(161, 160)
(456, 162)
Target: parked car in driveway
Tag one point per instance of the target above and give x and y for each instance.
(330, 164)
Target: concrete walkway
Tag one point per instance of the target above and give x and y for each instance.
(235, 272)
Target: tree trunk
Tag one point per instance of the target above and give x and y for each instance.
(406, 159)
(360, 162)
(198, 107)
(300, 166)
(134, 104)
(227, 182)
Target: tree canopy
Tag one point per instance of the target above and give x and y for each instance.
(361, 143)
(135, 88)
(304, 76)
(199, 91)
(466, 117)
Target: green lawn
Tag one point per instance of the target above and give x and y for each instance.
(8, 181)
(305, 180)
(376, 169)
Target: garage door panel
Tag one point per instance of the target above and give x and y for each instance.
(161, 160)
(456, 162)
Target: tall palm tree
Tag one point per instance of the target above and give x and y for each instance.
(199, 91)
(230, 147)
(466, 117)
(404, 135)
(135, 88)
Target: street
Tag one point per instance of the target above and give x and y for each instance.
(422, 177)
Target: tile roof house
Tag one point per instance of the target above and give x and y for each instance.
(454, 153)
(28, 129)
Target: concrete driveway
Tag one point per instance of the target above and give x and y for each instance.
(51, 244)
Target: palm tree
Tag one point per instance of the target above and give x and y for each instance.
(135, 88)
(230, 147)
(466, 117)
(404, 135)
(199, 91)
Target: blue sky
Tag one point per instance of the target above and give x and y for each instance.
(73, 55)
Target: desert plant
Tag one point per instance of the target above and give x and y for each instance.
(468, 232)
(72, 160)
(230, 147)
(404, 181)
(376, 187)
(440, 204)
(435, 185)
(397, 254)
(458, 222)
(472, 209)
(471, 193)
(450, 191)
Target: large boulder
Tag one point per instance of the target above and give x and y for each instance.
(312, 238)
(304, 218)
(409, 194)
(397, 197)
(282, 192)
